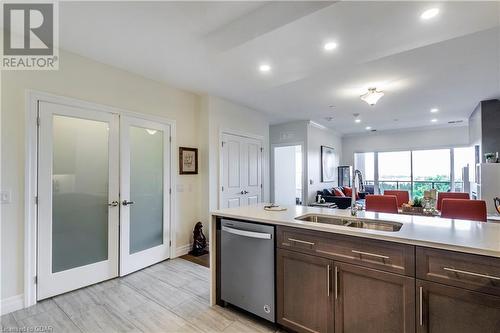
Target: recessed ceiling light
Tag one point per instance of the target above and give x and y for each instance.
(330, 46)
(429, 13)
(357, 120)
(434, 120)
(368, 128)
(434, 110)
(264, 68)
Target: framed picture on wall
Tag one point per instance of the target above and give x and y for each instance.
(188, 161)
(328, 169)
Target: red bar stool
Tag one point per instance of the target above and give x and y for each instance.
(402, 196)
(450, 195)
(382, 203)
(464, 209)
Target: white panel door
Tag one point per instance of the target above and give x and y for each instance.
(145, 193)
(241, 163)
(78, 198)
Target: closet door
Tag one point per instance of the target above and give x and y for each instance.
(145, 193)
(241, 163)
(78, 198)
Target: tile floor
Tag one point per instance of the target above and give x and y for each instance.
(172, 296)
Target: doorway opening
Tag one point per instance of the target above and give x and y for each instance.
(288, 175)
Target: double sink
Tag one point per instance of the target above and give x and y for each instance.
(352, 223)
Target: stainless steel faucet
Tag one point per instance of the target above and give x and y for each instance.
(356, 174)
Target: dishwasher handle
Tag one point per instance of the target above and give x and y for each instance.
(246, 233)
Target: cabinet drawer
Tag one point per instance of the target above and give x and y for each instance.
(386, 256)
(478, 273)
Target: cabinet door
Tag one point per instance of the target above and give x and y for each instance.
(304, 292)
(444, 309)
(369, 300)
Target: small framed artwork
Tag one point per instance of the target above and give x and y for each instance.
(188, 161)
(328, 169)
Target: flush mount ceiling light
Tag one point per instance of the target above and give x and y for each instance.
(330, 46)
(372, 96)
(429, 13)
(264, 68)
(434, 110)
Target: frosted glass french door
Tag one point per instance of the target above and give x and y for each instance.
(78, 212)
(145, 186)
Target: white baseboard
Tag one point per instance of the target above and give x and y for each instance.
(11, 304)
(182, 250)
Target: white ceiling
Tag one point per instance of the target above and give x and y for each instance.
(450, 62)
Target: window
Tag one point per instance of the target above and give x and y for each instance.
(415, 171)
(394, 170)
(431, 169)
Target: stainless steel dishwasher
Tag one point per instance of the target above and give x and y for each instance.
(247, 267)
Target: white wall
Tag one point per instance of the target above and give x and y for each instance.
(220, 114)
(292, 133)
(312, 137)
(317, 137)
(403, 140)
(91, 81)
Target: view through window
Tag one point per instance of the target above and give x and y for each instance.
(416, 171)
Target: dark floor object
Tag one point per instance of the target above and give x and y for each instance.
(203, 260)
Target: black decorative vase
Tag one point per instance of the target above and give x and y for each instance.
(199, 241)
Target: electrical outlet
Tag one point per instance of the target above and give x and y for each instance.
(5, 197)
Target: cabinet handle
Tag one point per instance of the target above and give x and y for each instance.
(336, 282)
(301, 241)
(328, 280)
(472, 273)
(420, 299)
(370, 254)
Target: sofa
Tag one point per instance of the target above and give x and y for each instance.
(340, 195)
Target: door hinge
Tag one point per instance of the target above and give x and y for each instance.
(170, 139)
(261, 149)
(35, 279)
(260, 185)
(36, 200)
(169, 191)
(222, 188)
(222, 144)
(37, 121)
(170, 243)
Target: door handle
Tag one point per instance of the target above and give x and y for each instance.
(336, 282)
(113, 203)
(246, 192)
(246, 233)
(421, 308)
(126, 203)
(328, 270)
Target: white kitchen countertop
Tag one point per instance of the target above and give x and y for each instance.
(449, 234)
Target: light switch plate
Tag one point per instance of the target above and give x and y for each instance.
(5, 197)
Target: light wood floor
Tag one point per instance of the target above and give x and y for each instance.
(172, 296)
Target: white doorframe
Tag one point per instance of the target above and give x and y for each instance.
(32, 97)
(271, 169)
(260, 138)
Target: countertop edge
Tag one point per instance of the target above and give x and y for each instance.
(365, 234)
